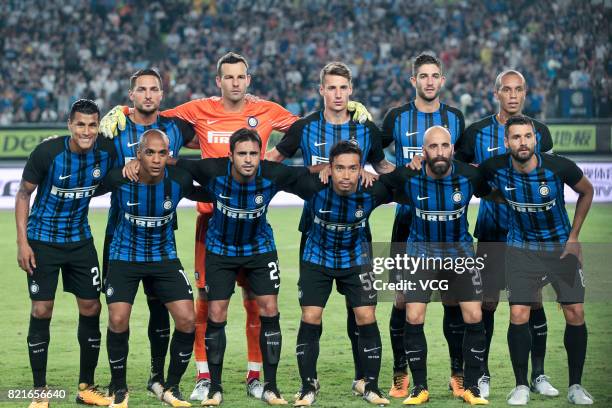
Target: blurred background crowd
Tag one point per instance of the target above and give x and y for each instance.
(56, 52)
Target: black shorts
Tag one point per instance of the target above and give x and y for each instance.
(80, 270)
(167, 281)
(315, 285)
(453, 286)
(399, 234)
(528, 271)
(261, 271)
(494, 271)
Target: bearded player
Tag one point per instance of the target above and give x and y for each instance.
(214, 120)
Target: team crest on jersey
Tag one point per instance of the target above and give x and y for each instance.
(457, 197)
(110, 291)
(252, 121)
(259, 199)
(167, 204)
(34, 288)
(359, 213)
(96, 173)
(544, 190)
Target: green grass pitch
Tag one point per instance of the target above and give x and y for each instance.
(335, 362)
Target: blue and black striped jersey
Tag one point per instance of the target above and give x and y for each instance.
(406, 126)
(314, 136)
(439, 206)
(145, 229)
(339, 235)
(482, 140)
(66, 182)
(238, 226)
(179, 134)
(536, 202)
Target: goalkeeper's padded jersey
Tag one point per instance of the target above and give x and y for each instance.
(214, 125)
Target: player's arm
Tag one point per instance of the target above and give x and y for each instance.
(25, 254)
(376, 155)
(188, 133)
(546, 141)
(388, 127)
(487, 172)
(305, 186)
(288, 145)
(203, 170)
(395, 181)
(464, 146)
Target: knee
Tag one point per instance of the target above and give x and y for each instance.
(363, 317)
(217, 313)
(90, 307)
(519, 315)
(312, 317)
(472, 316)
(186, 322)
(42, 310)
(415, 317)
(574, 314)
(268, 308)
(118, 322)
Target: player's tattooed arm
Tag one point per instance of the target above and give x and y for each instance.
(584, 188)
(383, 167)
(25, 255)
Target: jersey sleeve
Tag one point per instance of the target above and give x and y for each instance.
(290, 142)
(567, 170)
(281, 119)
(382, 193)
(546, 142)
(187, 111)
(203, 170)
(479, 184)
(465, 145)
(38, 163)
(186, 129)
(306, 187)
(376, 154)
(388, 127)
(282, 176)
(111, 181)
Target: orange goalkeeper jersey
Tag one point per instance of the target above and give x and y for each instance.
(214, 126)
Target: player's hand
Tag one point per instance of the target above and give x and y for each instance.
(360, 113)
(324, 174)
(572, 247)
(130, 170)
(416, 163)
(26, 259)
(113, 122)
(367, 178)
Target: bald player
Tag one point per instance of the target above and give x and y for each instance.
(439, 194)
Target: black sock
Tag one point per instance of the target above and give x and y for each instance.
(370, 352)
(270, 342)
(396, 334)
(307, 351)
(454, 329)
(118, 347)
(474, 347)
(488, 319)
(415, 345)
(89, 337)
(181, 348)
(159, 336)
(353, 334)
(38, 347)
(519, 343)
(575, 341)
(215, 350)
(539, 332)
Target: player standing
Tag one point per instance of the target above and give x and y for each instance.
(482, 140)
(143, 247)
(543, 247)
(55, 235)
(146, 93)
(439, 195)
(214, 120)
(405, 126)
(315, 135)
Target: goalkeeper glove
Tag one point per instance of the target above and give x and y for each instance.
(360, 113)
(114, 121)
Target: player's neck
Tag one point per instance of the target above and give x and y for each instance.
(426, 106)
(525, 167)
(233, 106)
(503, 116)
(240, 178)
(143, 118)
(433, 175)
(145, 178)
(336, 117)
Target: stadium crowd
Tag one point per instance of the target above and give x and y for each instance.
(56, 52)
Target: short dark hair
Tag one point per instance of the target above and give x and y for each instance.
(231, 58)
(244, 135)
(143, 72)
(345, 147)
(517, 120)
(85, 106)
(424, 59)
(336, 68)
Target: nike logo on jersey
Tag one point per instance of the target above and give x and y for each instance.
(64, 177)
(320, 144)
(509, 188)
(411, 133)
(422, 198)
(492, 149)
(226, 197)
(210, 122)
(131, 204)
(324, 211)
(132, 144)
